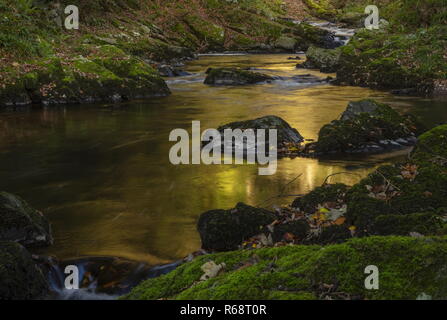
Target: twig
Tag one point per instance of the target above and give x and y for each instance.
(281, 194)
(334, 174)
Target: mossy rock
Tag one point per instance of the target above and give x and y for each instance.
(21, 223)
(234, 76)
(432, 146)
(106, 74)
(223, 230)
(385, 60)
(326, 60)
(412, 193)
(20, 277)
(368, 130)
(327, 193)
(286, 43)
(299, 229)
(407, 268)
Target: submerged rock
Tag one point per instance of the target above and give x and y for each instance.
(20, 277)
(234, 76)
(366, 127)
(326, 60)
(21, 223)
(222, 230)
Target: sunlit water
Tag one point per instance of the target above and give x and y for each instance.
(102, 176)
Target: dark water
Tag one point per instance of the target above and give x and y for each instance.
(102, 176)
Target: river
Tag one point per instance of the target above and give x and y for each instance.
(102, 176)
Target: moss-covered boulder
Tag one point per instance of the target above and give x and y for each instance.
(21, 223)
(367, 127)
(399, 199)
(20, 277)
(222, 230)
(312, 272)
(234, 76)
(286, 43)
(102, 73)
(382, 59)
(432, 146)
(326, 60)
(327, 193)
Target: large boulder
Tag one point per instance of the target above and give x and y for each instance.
(287, 137)
(21, 223)
(223, 230)
(20, 277)
(102, 73)
(367, 127)
(326, 60)
(234, 76)
(286, 43)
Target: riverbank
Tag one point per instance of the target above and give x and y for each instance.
(114, 57)
(389, 202)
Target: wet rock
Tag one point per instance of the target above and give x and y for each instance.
(21, 223)
(357, 107)
(170, 71)
(20, 277)
(100, 277)
(326, 60)
(308, 78)
(366, 127)
(286, 135)
(223, 230)
(234, 76)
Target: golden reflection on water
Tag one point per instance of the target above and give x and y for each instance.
(101, 174)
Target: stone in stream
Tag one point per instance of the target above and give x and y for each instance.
(169, 71)
(326, 60)
(21, 223)
(288, 138)
(234, 76)
(20, 276)
(223, 230)
(366, 127)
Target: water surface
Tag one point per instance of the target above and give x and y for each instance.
(102, 176)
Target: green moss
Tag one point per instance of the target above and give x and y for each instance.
(407, 267)
(327, 193)
(432, 145)
(356, 133)
(384, 60)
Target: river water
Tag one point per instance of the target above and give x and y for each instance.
(102, 176)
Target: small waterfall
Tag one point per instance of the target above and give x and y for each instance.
(100, 278)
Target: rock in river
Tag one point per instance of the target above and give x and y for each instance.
(326, 60)
(286, 135)
(20, 277)
(234, 76)
(366, 127)
(223, 230)
(21, 223)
